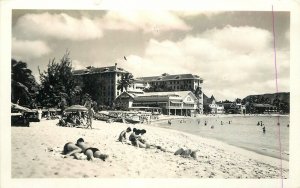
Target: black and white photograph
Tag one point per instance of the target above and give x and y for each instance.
(150, 94)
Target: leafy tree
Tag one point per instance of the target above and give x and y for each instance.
(125, 81)
(206, 109)
(23, 84)
(58, 86)
(198, 93)
(158, 88)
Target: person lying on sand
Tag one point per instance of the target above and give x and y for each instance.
(91, 152)
(138, 141)
(186, 153)
(71, 149)
(122, 136)
(82, 147)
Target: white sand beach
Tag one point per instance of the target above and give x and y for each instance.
(36, 153)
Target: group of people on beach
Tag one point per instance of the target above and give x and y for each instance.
(136, 139)
(77, 119)
(81, 147)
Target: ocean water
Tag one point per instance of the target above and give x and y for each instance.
(242, 132)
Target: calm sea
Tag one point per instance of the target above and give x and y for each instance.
(242, 132)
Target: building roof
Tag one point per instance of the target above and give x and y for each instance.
(263, 105)
(166, 93)
(166, 77)
(96, 70)
(207, 100)
(159, 95)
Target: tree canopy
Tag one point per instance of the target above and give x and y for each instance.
(125, 81)
(23, 84)
(58, 87)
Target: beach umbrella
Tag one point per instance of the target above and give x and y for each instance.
(75, 108)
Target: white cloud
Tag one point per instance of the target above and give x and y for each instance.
(234, 61)
(60, 26)
(66, 27)
(147, 21)
(240, 39)
(76, 64)
(26, 49)
(194, 13)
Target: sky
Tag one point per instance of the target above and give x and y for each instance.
(232, 51)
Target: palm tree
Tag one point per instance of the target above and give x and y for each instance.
(23, 84)
(126, 80)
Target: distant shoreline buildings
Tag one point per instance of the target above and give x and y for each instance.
(176, 92)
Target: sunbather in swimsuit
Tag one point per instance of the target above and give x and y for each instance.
(91, 152)
(122, 136)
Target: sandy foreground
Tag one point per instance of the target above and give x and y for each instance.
(36, 153)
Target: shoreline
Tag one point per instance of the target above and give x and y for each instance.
(163, 123)
(39, 155)
(236, 149)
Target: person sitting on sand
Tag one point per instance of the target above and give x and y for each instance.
(61, 122)
(140, 133)
(82, 147)
(134, 138)
(122, 136)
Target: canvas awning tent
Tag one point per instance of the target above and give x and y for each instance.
(75, 108)
(18, 108)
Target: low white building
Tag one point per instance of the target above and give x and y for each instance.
(215, 107)
(170, 103)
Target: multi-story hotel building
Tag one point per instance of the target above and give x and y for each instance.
(105, 77)
(177, 82)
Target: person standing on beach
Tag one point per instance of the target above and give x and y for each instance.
(88, 105)
(264, 129)
(90, 118)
